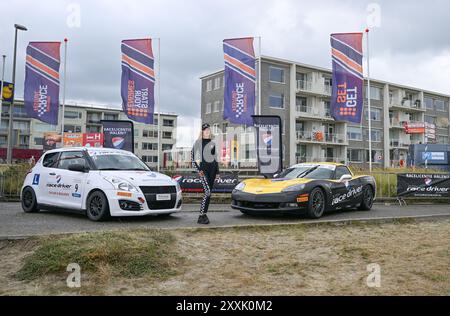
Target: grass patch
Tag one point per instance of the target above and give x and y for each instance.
(126, 254)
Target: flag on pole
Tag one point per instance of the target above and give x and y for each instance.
(348, 78)
(240, 80)
(42, 81)
(138, 80)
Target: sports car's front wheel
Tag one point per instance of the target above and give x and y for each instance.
(316, 203)
(97, 207)
(367, 199)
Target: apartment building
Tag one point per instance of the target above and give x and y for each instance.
(28, 134)
(301, 94)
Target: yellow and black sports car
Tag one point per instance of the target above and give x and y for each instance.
(311, 187)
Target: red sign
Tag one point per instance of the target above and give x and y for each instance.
(414, 128)
(93, 139)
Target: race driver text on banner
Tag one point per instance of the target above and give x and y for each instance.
(348, 78)
(41, 93)
(138, 80)
(240, 80)
(423, 185)
(118, 135)
(268, 144)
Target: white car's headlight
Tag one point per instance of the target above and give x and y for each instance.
(240, 186)
(294, 188)
(121, 184)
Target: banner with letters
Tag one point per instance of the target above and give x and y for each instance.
(348, 79)
(423, 185)
(118, 135)
(268, 144)
(41, 93)
(138, 80)
(191, 183)
(240, 80)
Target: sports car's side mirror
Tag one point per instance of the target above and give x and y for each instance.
(345, 177)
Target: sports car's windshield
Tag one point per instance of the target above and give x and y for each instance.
(113, 161)
(307, 172)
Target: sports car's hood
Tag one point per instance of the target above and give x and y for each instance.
(267, 186)
(140, 178)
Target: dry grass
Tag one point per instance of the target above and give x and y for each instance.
(282, 260)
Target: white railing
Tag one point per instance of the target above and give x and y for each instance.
(321, 137)
(304, 85)
(306, 159)
(313, 111)
(406, 103)
(398, 143)
(310, 86)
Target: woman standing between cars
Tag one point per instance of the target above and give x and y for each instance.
(204, 161)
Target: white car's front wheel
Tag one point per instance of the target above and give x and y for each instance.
(29, 202)
(97, 207)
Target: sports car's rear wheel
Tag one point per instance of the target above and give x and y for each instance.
(29, 202)
(97, 207)
(316, 203)
(367, 199)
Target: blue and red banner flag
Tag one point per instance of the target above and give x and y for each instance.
(240, 80)
(348, 79)
(138, 80)
(42, 81)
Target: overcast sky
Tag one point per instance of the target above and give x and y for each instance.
(410, 45)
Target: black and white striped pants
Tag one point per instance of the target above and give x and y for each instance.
(207, 183)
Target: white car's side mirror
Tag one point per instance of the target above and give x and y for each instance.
(345, 177)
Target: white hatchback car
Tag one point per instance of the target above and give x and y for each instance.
(101, 182)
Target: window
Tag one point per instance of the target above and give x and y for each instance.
(92, 129)
(43, 127)
(327, 107)
(39, 141)
(224, 127)
(155, 120)
(215, 129)
(72, 129)
(341, 171)
(23, 127)
(216, 106)
(3, 140)
(167, 135)
(276, 74)
(111, 117)
(376, 135)
(440, 105)
(375, 114)
(149, 146)
(208, 85)
(166, 146)
(354, 133)
(50, 160)
(94, 118)
(4, 125)
(19, 111)
(429, 103)
(208, 108)
(217, 83)
(276, 100)
(430, 119)
(301, 103)
(24, 140)
(168, 123)
(375, 93)
(72, 115)
(355, 155)
(151, 159)
(68, 158)
(151, 134)
(441, 139)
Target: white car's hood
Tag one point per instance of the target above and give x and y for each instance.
(140, 178)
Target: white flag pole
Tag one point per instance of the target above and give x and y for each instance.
(64, 87)
(259, 77)
(158, 81)
(368, 100)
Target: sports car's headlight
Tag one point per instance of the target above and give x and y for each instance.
(294, 188)
(178, 186)
(121, 184)
(240, 186)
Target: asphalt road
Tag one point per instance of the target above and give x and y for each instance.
(15, 223)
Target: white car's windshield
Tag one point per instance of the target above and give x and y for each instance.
(113, 161)
(308, 172)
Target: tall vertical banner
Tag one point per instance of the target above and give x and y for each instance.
(118, 135)
(268, 144)
(138, 80)
(42, 81)
(240, 80)
(348, 79)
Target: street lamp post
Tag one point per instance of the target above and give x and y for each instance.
(17, 27)
(3, 82)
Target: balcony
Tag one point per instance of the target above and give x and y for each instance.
(321, 138)
(406, 104)
(304, 159)
(396, 143)
(313, 112)
(314, 87)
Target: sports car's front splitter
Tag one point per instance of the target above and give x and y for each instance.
(274, 202)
